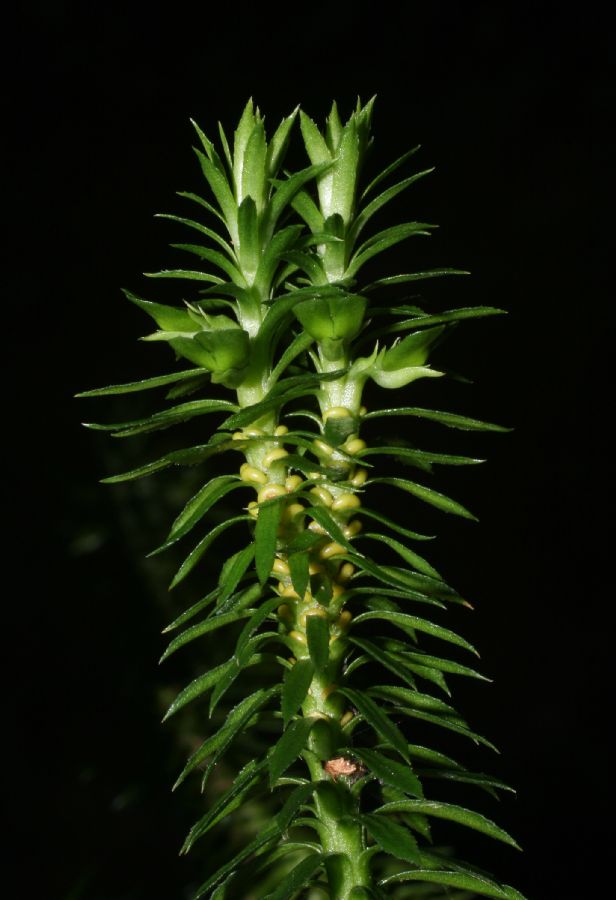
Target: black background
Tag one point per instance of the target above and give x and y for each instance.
(510, 102)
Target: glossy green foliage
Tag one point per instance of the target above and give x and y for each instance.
(324, 605)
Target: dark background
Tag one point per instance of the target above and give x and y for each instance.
(510, 102)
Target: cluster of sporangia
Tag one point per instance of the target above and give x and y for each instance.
(270, 482)
(293, 321)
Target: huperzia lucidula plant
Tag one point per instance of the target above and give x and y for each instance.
(283, 318)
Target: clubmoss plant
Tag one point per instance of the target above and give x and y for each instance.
(283, 319)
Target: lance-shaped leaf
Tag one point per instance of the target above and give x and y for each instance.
(266, 534)
(428, 495)
(385, 239)
(297, 878)
(463, 880)
(389, 170)
(195, 555)
(454, 814)
(383, 658)
(299, 564)
(379, 202)
(234, 723)
(317, 633)
(413, 698)
(289, 747)
(244, 782)
(198, 505)
(393, 280)
(404, 621)
(377, 719)
(409, 556)
(147, 384)
(451, 420)
(205, 682)
(279, 143)
(195, 631)
(389, 771)
(202, 229)
(297, 680)
(165, 418)
(392, 838)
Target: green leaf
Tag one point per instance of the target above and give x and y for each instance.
(266, 535)
(282, 241)
(392, 838)
(246, 779)
(423, 322)
(317, 149)
(239, 600)
(186, 275)
(196, 688)
(147, 385)
(325, 519)
(453, 814)
(447, 723)
(390, 772)
(317, 632)
(296, 798)
(444, 665)
(377, 719)
(248, 229)
(289, 747)
(166, 418)
(287, 190)
(299, 569)
(197, 226)
(253, 166)
(308, 263)
(279, 143)
(479, 884)
(256, 620)
(393, 280)
(405, 621)
(195, 631)
(476, 778)
(195, 555)
(235, 723)
(385, 520)
(375, 205)
(401, 695)
(409, 556)
(192, 611)
(297, 878)
(306, 208)
(198, 505)
(423, 459)
(169, 318)
(383, 658)
(267, 835)
(428, 495)
(425, 754)
(232, 576)
(215, 257)
(451, 420)
(297, 680)
(188, 195)
(221, 190)
(240, 662)
(389, 170)
(383, 240)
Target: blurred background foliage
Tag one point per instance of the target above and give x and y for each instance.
(510, 101)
